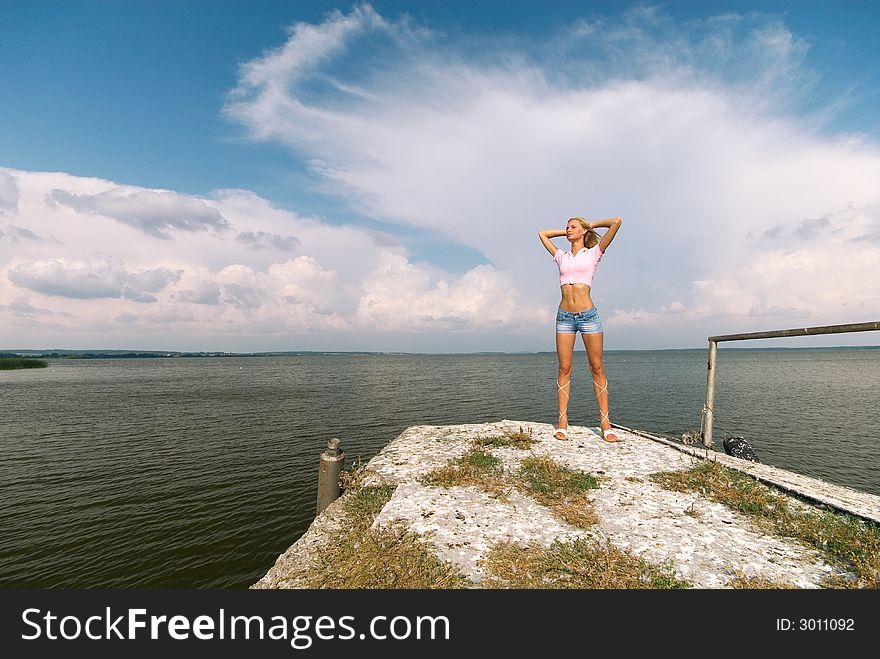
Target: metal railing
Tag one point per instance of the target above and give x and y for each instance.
(708, 416)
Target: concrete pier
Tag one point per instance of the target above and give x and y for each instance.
(706, 542)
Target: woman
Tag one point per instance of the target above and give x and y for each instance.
(576, 312)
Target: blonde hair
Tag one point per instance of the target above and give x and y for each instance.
(591, 238)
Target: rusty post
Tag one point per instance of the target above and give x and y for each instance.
(709, 409)
(331, 461)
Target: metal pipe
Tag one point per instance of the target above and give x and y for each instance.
(708, 417)
(806, 331)
(329, 466)
(709, 408)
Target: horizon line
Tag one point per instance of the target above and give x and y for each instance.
(138, 351)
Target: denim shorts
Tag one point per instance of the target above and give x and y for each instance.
(585, 322)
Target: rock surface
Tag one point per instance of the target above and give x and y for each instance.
(706, 542)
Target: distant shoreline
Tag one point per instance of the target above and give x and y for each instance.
(165, 354)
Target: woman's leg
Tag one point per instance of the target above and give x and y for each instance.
(564, 351)
(593, 344)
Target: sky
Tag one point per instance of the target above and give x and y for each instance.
(266, 176)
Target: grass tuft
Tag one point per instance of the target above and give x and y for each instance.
(545, 477)
(366, 557)
(582, 563)
(367, 502)
(561, 489)
(741, 582)
(476, 468)
(519, 440)
(379, 558)
(353, 479)
(845, 540)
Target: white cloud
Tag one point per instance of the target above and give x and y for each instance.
(8, 192)
(754, 54)
(738, 214)
(89, 280)
(297, 282)
(202, 292)
(672, 314)
(96, 278)
(399, 295)
(267, 240)
(15, 234)
(686, 131)
(21, 307)
(815, 271)
(155, 212)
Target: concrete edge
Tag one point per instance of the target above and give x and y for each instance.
(861, 504)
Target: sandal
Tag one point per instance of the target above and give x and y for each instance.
(563, 414)
(608, 435)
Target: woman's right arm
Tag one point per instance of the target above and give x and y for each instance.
(546, 235)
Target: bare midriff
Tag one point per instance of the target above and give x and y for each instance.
(575, 297)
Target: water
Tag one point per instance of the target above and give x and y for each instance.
(185, 473)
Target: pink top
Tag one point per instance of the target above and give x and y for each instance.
(578, 268)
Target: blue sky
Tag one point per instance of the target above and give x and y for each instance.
(132, 90)
(272, 175)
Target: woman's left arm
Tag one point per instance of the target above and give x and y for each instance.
(612, 224)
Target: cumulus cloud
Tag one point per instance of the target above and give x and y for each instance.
(155, 212)
(267, 240)
(400, 295)
(90, 279)
(299, 282)
(845, 224)
(8, 192)
(204, 286)
(203, 292)
(16, 234)
(23, 308)
(163, 317)
(790, 275)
